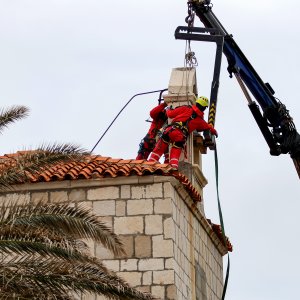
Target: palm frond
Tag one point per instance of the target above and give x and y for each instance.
(74, 222)
(61, 219)
(12, 114)
(58, 276)
(30, 163)
(19, 247)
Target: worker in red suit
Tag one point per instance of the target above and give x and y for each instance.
(185, 119)
(159, 118)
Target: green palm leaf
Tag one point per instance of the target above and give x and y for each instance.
(12, 114)
(71, 222)
(30, 163)
(56, 278)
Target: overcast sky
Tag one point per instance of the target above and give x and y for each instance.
(75, 63)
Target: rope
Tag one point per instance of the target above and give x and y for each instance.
(190, 60)
(222, 223)
(139, 94)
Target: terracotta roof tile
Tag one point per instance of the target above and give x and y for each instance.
(99, 167)
(219, 232)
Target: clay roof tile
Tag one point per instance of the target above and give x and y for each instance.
(97, 166)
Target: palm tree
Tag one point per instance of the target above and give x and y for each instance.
(44, 257)
(42, 252)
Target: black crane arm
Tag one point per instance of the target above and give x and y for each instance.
(274, 121)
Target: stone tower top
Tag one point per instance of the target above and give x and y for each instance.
(182, 89)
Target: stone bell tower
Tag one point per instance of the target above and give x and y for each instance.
(182, 90)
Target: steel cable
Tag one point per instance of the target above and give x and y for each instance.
(139, 94)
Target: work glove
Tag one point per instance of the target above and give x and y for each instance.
(213, 131)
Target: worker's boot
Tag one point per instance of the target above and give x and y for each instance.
(174, 157)
(160, 148)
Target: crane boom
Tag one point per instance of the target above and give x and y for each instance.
(270, 114)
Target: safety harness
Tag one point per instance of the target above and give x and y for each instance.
(183, 127)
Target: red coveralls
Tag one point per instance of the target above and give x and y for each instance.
(147, 144)
(186, 119)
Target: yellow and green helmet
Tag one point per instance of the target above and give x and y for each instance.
(203, 101)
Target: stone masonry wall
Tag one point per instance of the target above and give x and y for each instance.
(171, 251)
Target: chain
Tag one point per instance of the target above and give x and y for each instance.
(190, 58)
(191, 16)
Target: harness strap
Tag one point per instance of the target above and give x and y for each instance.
(182, 126)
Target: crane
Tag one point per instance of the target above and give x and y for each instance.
(270, 114)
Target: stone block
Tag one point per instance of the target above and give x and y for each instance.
(18, 198)
(158, 291)
(113, 264)
(169, 230)
(154, 191)
(147, 191)
(168, 190)
(103, 193)
(151, 264)
(163, 206)
(143, 246)
(125, 192)
(127, 242)
(139, 207)
(181, 222)
(86, 204)
(2, 200)
(128, 265)
(170, 263)
(129, 225)
(133, 278)
(182, 85)
(147, 278)
(161, 247)
(163, 277)
(104, 208)
(103, 253)
(108, 221)
(143, 289)
(120, 208)
(153, 224)
(58, 197)
(138, 192)
(39, 197)
(171, 292)
(77, 195)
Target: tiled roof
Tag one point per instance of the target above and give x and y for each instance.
(97, 166)
(219, 232)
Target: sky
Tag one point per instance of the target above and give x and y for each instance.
(76, 63)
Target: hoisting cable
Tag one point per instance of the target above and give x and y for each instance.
(190, 60)
(222, 223)
(139, 94)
